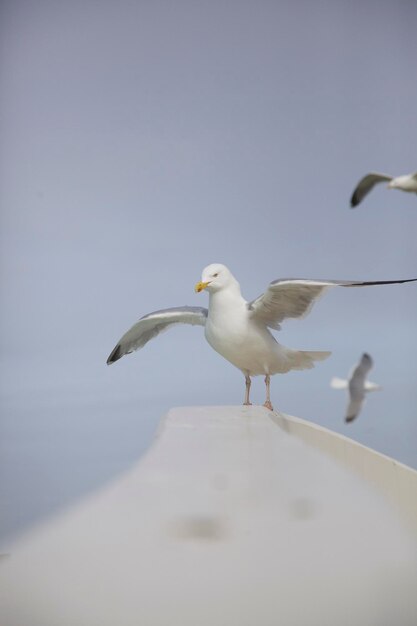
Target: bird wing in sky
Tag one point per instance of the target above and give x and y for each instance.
(365, 185)
(151, 325)
(354, 406)
(294, 297)
(357, 387)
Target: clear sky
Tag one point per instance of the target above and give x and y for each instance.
(142, 141)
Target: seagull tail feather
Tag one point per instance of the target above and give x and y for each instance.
(318, 356)
(302, 360)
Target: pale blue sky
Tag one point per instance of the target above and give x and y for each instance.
(142, 141)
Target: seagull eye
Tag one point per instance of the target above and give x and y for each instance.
(215, 275)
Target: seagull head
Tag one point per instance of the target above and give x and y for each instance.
(214, 278)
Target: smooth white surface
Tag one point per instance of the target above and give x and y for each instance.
(230, 519)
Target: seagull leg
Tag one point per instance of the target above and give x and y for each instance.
(248, 383)
(267, 403)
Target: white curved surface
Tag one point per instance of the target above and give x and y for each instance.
(236, 516)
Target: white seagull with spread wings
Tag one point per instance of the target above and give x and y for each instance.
(357, 386)
(408, 182)
(239, 330)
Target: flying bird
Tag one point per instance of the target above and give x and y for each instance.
(357, 386)
(239, 330)
(407, 182)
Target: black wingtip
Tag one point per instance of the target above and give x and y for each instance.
(354, 201)
(375, 283)
(350, 418)
(115, 355)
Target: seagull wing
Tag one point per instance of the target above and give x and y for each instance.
(357, 378)
(357, 390)
(365, 364)
(294, 297)
(354, 406)
(151, 325)
(365, 185)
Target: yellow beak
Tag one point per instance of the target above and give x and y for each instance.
(200, 286)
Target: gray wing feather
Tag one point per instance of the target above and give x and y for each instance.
(294, 297)
(364, 365)
(285, 299)
(356, 391)
(365, 185)
(354, 407)
(357, 387)
(152, 324)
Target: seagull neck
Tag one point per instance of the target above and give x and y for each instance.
(225, 297)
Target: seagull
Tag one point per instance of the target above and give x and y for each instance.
(357, 386)
(408, 182)
(239, 330)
